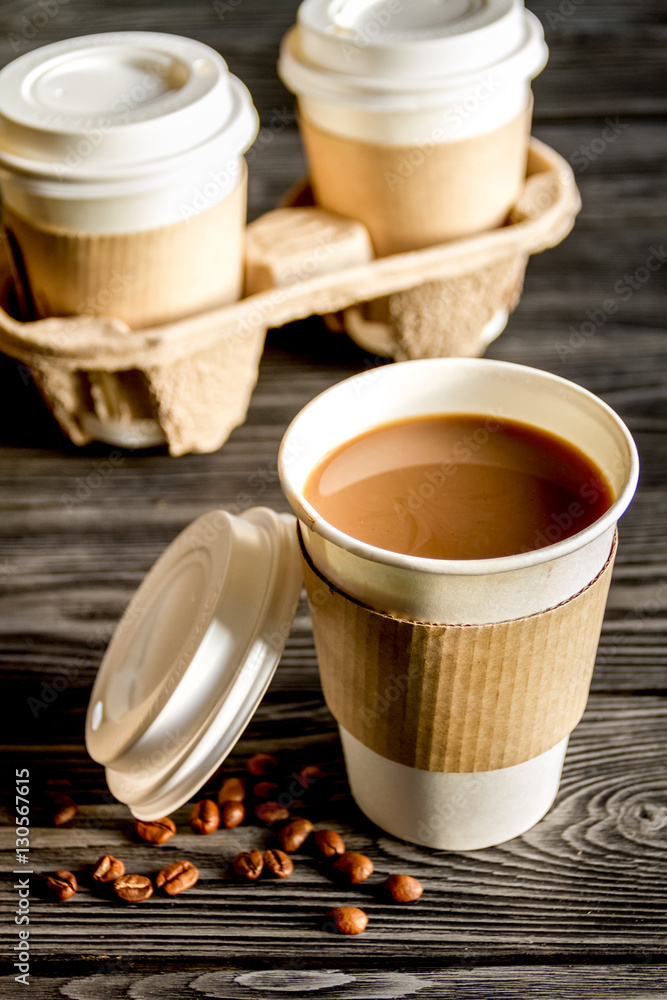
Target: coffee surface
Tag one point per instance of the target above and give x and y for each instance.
(458, 486)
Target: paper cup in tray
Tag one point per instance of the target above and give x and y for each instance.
(187, 383)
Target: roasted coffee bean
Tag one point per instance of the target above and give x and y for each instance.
(348, 919)
(133, 888)
(232, 814)
(355, 867)
(156, 831)
(62, 884)
(293, 835)
(328, 843)
(233, 790)
(108, 869)
(262, 763)
(249, 864)
(205, 817)
(309, 774)
(177, 877)
(64, 809)
(403, 888)
(271, 812)
(278, 863)
(265, 790)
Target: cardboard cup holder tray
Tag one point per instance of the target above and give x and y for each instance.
(188, 383)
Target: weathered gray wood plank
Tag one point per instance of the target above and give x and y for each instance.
(117, 979)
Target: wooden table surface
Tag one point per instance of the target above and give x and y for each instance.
(575, 907)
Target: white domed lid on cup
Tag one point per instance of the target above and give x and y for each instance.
(120, 105)
(344, 47)
(193, 656)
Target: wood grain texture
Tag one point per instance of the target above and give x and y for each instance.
(116, 979)
(587, 880)
(575, 908)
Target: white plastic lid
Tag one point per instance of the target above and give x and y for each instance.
(351, 48)
(120, 105)
(192, 657)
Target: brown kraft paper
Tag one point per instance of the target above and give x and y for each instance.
(456, 698)
(143, 278)
(410, 197)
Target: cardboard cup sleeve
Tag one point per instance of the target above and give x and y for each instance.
(456, 698)
(143, 278)
(410, 197)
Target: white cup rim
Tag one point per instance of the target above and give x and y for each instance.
(462, 567)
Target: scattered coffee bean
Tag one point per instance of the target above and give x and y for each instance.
(108, 869)
(309, 774)
(266, 790)
(133, 888)
(293, 835)
(328, 843)
(278, 863)
(249, 864)
(64, 809)
(348, 919)
(157, 831)
(403, 888)
(233, 790)
(232, 814)
(271, 812)
(356, 867)
(205, 817)
(262, 763)
(62, 884)
(177, 877)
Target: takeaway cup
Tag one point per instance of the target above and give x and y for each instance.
(122, 175)
(461, 678)
(124, 184)
(415, 116)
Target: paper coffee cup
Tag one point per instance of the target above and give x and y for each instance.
(537, 615)
(122, 176)
(415, 118)
(124, 187)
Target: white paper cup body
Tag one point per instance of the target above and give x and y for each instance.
(481, 108)
(452, 812)
(135, 205)
(455, 592)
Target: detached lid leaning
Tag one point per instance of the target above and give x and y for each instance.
(192, 657)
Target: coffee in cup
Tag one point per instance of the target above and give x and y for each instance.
(460, 486)
(456, 682)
